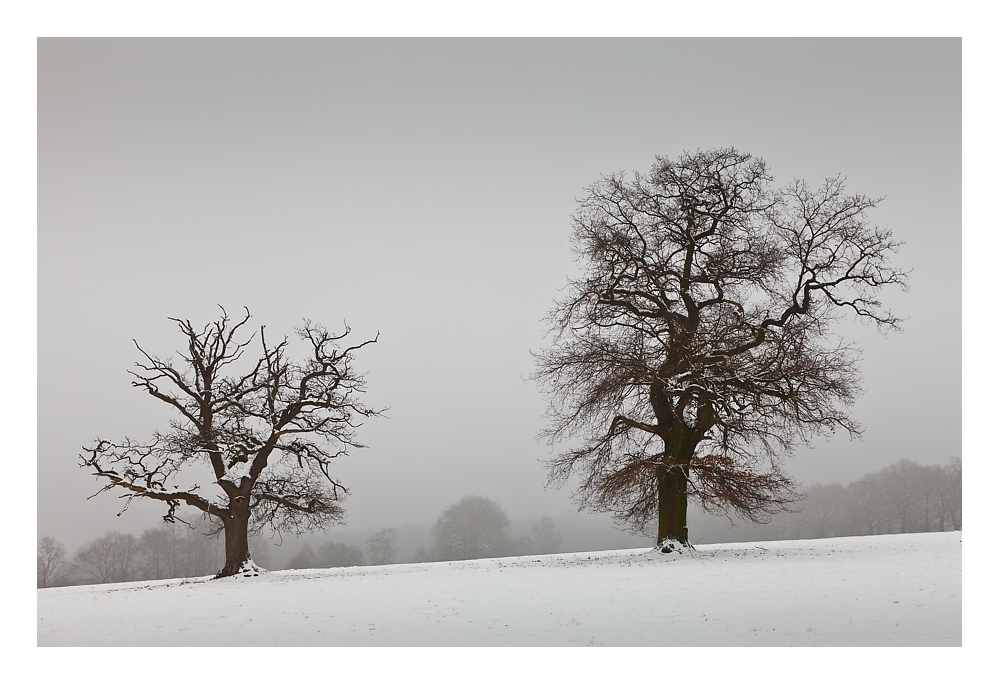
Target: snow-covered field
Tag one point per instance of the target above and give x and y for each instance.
(890, 590)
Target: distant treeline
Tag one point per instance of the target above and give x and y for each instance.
(473, 528)
(904, 497)
(170, 551)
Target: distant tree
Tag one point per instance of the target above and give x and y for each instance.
(53, 568)
(166, 552)
(870, 503)
(268, 431)
(259, 550)
(472, 528)
(923, 487)
(826, 511)
(694, 350)
(162, 553)
(545, 537)
(900, 480)
(304, 558)
(953, 492)
(382, 546)
(203, 551)
(788, 524)
(337, 554)
(110, 558)
(939, 495)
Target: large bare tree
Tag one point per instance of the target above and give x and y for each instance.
(267, 428)
(696, 347)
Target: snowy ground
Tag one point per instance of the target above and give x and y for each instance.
(890, 590)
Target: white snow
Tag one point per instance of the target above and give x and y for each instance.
(890, 590)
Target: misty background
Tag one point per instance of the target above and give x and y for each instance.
(421, 189)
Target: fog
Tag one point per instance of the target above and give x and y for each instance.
(421, 190)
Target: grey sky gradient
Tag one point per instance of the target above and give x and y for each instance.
(422, 189)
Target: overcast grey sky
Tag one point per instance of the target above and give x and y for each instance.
(422, 189)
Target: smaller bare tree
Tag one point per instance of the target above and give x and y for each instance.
(382, 547)
(870, 503)
(53, 569)
(545, 537)
(268, 432)
(338, 554)
(304, 558)
(923, 486)
(203, 550)
(900, 483)
(110, 558)
(161, 550)
(825, 509)
(953, 492)
(472, 528)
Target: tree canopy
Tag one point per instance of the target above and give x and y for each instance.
(695, 348)
(473, 528)
(268, 429)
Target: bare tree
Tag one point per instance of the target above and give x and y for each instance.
(826, 511)
(382, 546)
(472, 528)
(900, 480)
(268, 429)
(260, 551)
(53, 569)
(923, 494)
(162, 552)
(304, 558)
(338, 554)
(953, 492)
(788, 524)
(869, 502)
(110, 558)
(166, 552)
(545, 537)
(694, 351)
(203, 551)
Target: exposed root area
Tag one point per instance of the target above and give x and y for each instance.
(248, 569)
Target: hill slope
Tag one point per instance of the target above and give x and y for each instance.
(890, 590)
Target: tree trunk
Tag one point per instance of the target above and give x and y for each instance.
(671, 486)
(236, 524)
(671, 489)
